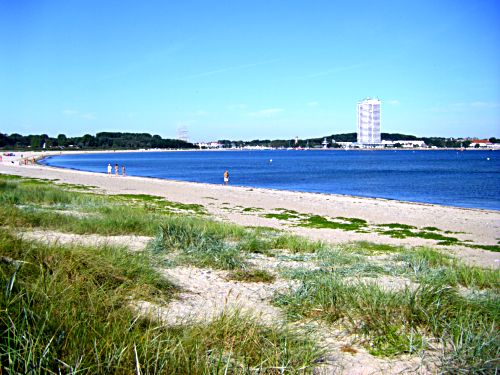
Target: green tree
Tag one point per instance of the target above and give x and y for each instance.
(35, 141)
(62, 140)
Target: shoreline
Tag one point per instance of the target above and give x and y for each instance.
(257, 187)
(249, 206)
(245, 187)
(377, 210)
(42, 155)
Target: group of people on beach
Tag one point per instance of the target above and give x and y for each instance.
(117, 168)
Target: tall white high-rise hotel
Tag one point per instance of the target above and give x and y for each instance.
(369, 121)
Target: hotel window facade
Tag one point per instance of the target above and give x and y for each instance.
(369, 121)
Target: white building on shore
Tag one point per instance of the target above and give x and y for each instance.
(369, 122)
(404, 144)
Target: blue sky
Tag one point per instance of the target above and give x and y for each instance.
(249, 69)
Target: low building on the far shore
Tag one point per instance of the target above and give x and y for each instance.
(209, 145)
(404, 144)
(481, 143)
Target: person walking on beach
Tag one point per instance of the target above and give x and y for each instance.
(123, 170)
(116, 169)
(109, 169)
(226, 177)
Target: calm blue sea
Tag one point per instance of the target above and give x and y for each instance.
(465, 179)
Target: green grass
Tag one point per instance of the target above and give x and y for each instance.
(76, 187)
(370, 248)
(252, 276)
(208, 243)
(252, 209)
(432, 229)
(430, 235)
(68, 310)
(114, 220)
(201, 242)
(392, 323)
(495, 248)
(431, 266)
(353, 220)
(296, 244)
(337, 257)
(27, 204)
(69, 302)
(162, 203)
(347, 224)
(396, 226)
(283, 216)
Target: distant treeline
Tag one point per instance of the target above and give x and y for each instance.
(104, 140)
(116, 140)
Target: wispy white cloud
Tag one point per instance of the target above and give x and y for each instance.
(233, 107)
(78, 114)
(69, 112)
(485, 105)
(312, 104)
(230, 68)
(147, 60)
(88, 116)
(268, 112)
(335, 70)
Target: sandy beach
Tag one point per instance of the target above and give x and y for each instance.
(249, 206)
(206, 293)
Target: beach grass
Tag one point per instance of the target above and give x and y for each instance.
(396, 226)
(209, 243)
(392, 322)
(429, 265)
(160, 203)
(251, 276)
(296, 244)
(370, 248)
(495, 248)
(343, 223)
(430, 235)
(252, 209)
(68, 309)
(46, 205)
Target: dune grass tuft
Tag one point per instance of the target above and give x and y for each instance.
(395, 322)
(69, 310)
(252, 276)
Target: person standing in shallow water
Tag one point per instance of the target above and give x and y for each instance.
(109, 169)
(123, 170)
(226, 177)
(116, 169)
